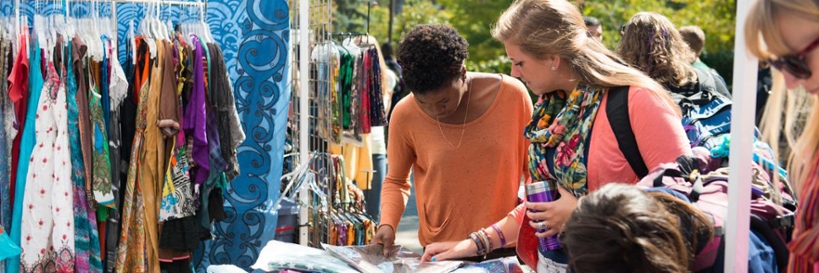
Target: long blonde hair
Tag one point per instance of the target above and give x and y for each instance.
(763, 39)
(545, 28)
(652, 43)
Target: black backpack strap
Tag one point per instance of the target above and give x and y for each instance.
(617, 111)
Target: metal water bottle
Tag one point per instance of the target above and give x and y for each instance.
(539, 192)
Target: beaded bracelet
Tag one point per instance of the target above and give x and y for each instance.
(478, 243)
(500, 235)
(486, 241)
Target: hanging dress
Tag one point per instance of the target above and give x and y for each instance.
(195, 120)
(103, 194)
(18, 95)
(101, 186)
(180, 233)
(5, 152)
(86, 143)
(29, 138)
(83, 229)
(48, 222)
(177, 192)
(118, 88)
(131, 250)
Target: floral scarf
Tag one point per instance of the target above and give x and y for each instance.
(563, 124)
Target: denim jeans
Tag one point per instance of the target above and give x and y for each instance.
(373, 195)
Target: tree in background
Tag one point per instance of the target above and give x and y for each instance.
(716, 17)
(415, 12)
(348, 16)
(475, 18)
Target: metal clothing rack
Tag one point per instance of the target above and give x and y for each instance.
(311, 22)
(311, 27)
(202, 4)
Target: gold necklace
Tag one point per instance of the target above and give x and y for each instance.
(463, 125)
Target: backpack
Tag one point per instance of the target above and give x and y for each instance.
(708, 191)
(702, 180)
(706, 108)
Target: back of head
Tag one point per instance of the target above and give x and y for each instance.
(431, 56)
(621, 228)
(694, 37)
(651, 43)
(543, 28)
(591, 21)
(386, 49)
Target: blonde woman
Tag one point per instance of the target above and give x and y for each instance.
(786, 34)
(574, 148)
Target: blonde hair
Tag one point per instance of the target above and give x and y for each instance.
(763, 39)
(544, 28)
(652, 43)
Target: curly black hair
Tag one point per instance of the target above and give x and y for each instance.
(431, 56)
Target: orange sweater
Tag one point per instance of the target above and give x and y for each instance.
(458, 190)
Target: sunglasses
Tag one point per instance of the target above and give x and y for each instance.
(795, 63)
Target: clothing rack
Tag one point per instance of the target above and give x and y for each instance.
(161, 2)
(202, 4)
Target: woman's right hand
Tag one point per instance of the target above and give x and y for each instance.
(385, 236)
(449, 250)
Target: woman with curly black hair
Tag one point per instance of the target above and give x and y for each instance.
(459, 132)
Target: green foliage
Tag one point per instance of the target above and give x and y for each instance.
(416, 12)
(475, 18)
(474, 21)
(715, 17)
(347, 17)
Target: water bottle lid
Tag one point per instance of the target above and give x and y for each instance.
(536, 187)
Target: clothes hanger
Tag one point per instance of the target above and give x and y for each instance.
(168, 23)
(162, 27)
(132, 42)
(205, 27)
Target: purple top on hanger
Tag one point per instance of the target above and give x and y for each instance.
(196, 118)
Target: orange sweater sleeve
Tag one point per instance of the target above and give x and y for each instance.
(395, 191)
(528, 109)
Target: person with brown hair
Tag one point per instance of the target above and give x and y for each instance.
(652, 44)
(574, 147)
(695, 38)
(622, 228)
(786, 35)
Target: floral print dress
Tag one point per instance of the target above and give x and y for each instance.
(47, 235)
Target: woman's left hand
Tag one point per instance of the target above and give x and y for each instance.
(449, 250)
(552, 214)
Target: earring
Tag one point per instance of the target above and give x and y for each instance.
(553, 67)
